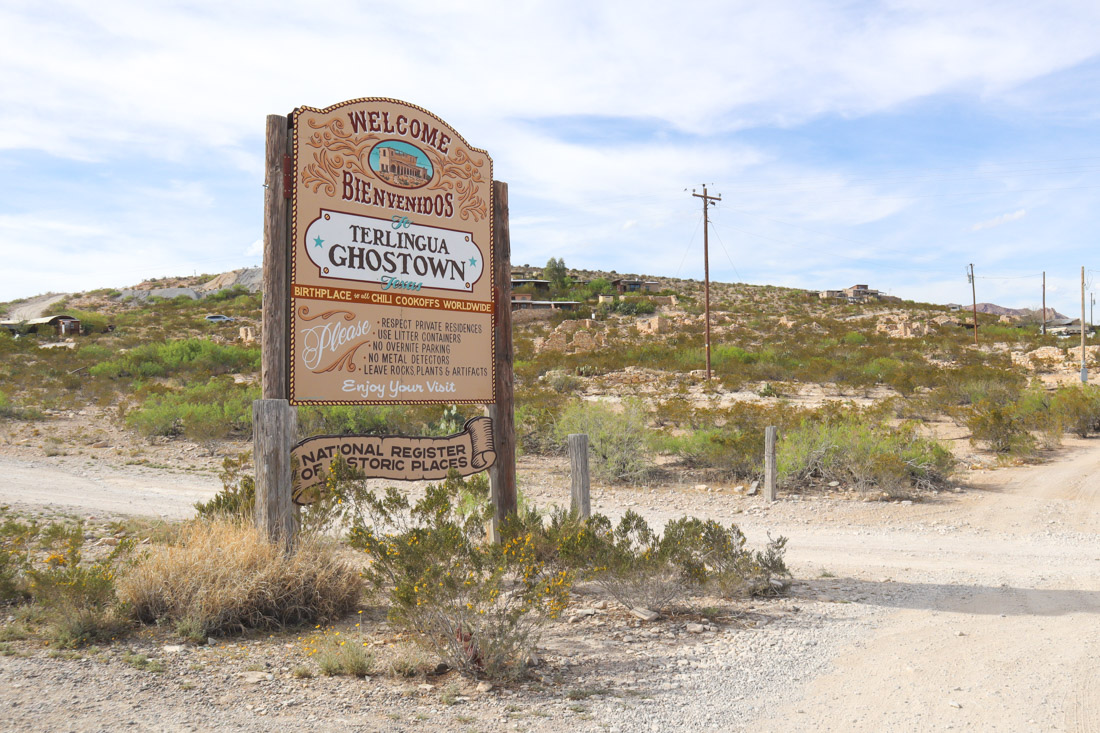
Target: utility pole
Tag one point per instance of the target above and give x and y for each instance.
(706, 262)
(1044, 328)
(1084, 369)
(974, 296)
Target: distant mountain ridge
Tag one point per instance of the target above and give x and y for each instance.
(999, 310)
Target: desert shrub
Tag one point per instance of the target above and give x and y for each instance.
(347, 656)
(641, 569)
(11, 411)
(734, 450)
(237, 498)
(76, 596)
(730, 440)
(221, 577)
(561, 381)
(971, 384)
(864, 453)
(617, 440)
(854, 338)
(352, 420)
(1038, 415)
(16, 541)
(478, 606)
(202, 411)
(1002, 427)
(182, 357)
(1078, 407)
(225, 294)
(633, 306)
(536, 415)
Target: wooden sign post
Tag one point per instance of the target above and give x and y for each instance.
(398, 284)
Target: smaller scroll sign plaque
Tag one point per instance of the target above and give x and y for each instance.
(392, 457)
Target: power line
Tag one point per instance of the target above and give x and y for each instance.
(691, 242)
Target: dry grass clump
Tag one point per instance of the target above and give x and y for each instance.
(223, 577)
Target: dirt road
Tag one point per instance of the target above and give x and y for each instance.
(35, 307)
(977, 610)
(999, 628)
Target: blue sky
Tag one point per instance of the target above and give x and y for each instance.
(887, 143)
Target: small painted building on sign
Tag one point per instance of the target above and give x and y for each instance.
(394, 163)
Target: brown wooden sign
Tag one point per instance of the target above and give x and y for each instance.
(392, 259)
(395, 457)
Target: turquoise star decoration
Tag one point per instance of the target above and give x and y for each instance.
(473, 262)
(318, 242)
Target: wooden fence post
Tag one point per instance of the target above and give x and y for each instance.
(274, 421)
(502, 474)
(769, 463)
(580, 502)
(274, 428)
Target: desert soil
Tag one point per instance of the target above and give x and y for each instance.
(974, 609)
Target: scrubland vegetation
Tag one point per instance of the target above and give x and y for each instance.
(479, 608)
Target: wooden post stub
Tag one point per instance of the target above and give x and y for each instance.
(580, 502)
(502, 474)
(274, 425)
(275, 335)
(769, 463)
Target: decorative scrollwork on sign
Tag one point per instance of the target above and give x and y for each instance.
(303, 313)
(337, 149)
(344, 361)
(461, 173)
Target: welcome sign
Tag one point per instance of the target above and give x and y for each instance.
(392, 259)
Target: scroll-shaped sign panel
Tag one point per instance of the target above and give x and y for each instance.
(394, 457)
(396, 254)
(392, 259)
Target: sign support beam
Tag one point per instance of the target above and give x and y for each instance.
(502, 474)
(274, 421)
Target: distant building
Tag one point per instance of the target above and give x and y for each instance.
(61, 325)
(860, 294)
(855, 294)
(528, 282)
(1067, 327)
(623, 285)
(520, 303)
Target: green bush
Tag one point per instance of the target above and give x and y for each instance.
(183, 357)
(735, 451)
(617, 439)
(864, 453)
(536, 416)
(478, 606)
(642, 569)
(352, 420)
(77, 597)
(203, 411)
(1078, 407)
(1002, 427)
(237, 498)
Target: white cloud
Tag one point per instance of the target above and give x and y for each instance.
(181, 84)
(998, 220)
